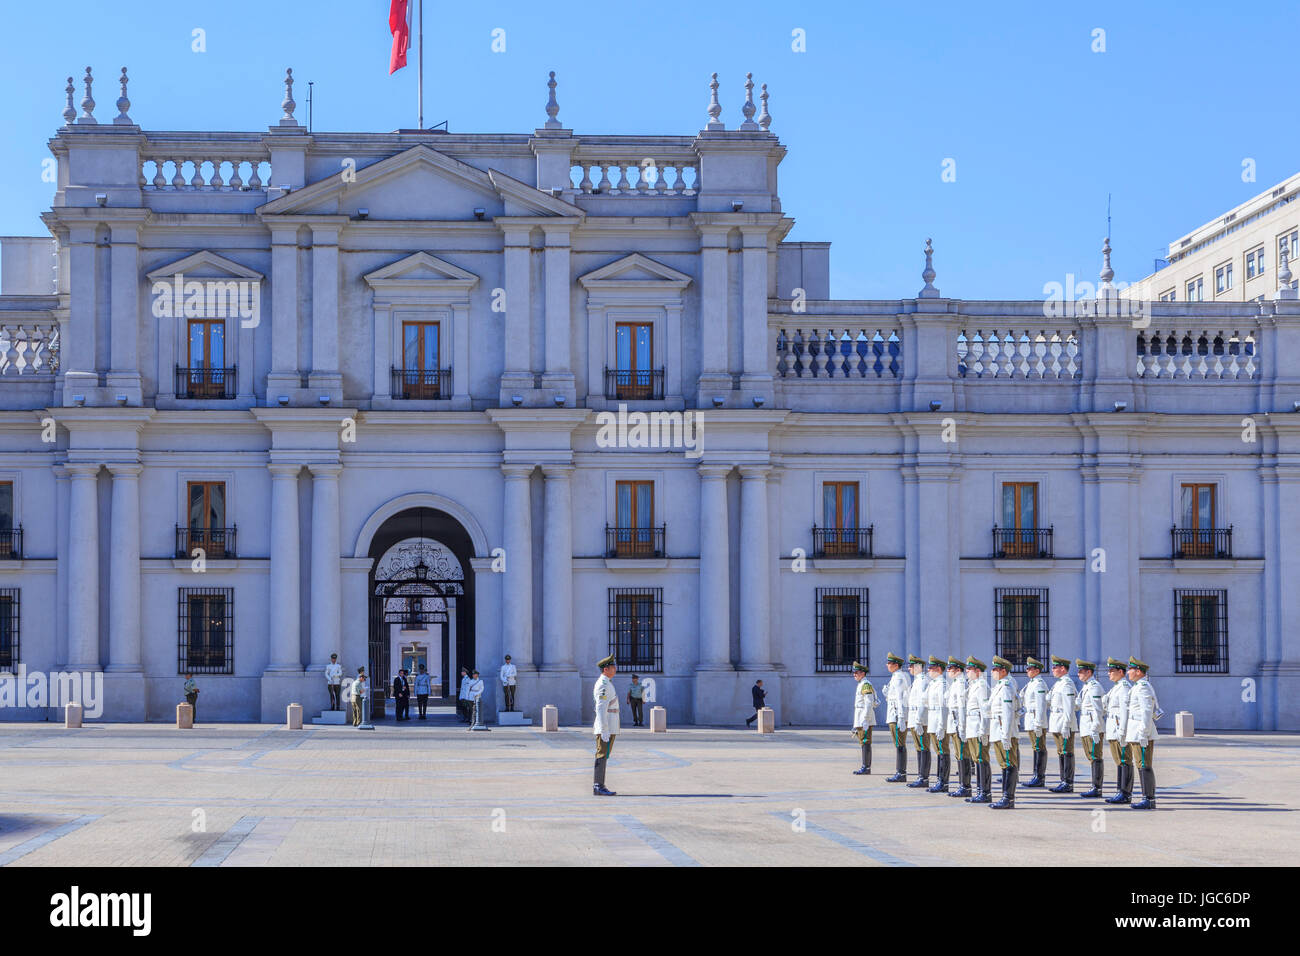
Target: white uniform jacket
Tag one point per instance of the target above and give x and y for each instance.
(916, 703)
(1064, 701)
(1117, 709)
(977, 709)
(475, 690)
(1035, 700)
(464, 688)
(508, 672)
(900, 685)
(957, 691)
(864, 705)
(606, 700)
(1004, 704)
(936, 706)
(1092, 712)
(334, 673)
(360, 688)
(1142, 705)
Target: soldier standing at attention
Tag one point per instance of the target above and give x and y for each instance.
(192, 697)
(1003, 736)
(955, 729)
(936, 724)
(896, 714)
(977, 729)
(1092, 721)
(606, 725)
(334, 682)
(1064, 701)
(1116, 721)
(864, 714)
(916, 697)
(1140, 731)
(1035, 698)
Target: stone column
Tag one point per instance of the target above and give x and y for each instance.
(80, 341)
(326, 579)
(124, 352)
(714, 321)
(715, 562)
(557, 569)
(755, 616)
(517, 598)
(756, 344)
(559, 322)
(284, 596)
(83, 568)
(284, 312)
(124, 637)
(325, 311)
(517, 360)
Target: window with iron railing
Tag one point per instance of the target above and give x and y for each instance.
(10, 657)
(634, 534)
(1197, 536)
(636, 628)
(1200, 631)
(842, 628)
(205, 631)
(11, 538)
(206, 522)
(420, 377)
(1020, 623)
(206, 374)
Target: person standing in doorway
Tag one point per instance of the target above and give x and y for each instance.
(509, 681)
(192, 696)
(334, 682)
(635, 697)
(423, 686)
(759, 695)
(462, 698)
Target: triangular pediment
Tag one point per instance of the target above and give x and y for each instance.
(421, 268)
(204, 265)
(522, 199)
(635, 271)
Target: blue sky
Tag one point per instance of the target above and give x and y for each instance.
(1040, 127)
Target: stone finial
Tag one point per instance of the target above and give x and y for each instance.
(123, 104)
(87, 116)
(748, 108)
(764, 117)
(552, 106)
(929, 291)
(1107, 273)
(1285, 291)
(715, 108)
(287, 104)
(69, 111)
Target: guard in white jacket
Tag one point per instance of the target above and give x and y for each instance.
(1063, 702)
(896, 695)
(509, 682)
(1092, 723)
(1116, 721)
(864, 714)
(1004, 707)
(955, 729)
(1035, 701)
(936, 724)
(606, 726)
(916, 697)
(977, 730)
(1140, 731)
(334, 682)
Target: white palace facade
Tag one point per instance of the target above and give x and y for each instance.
(269, 396)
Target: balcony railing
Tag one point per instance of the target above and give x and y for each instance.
(11, 544)
(421, 384)
(842, 542)
(206, 382)
(1201, 542)
(634, 385)
(634, 542)
(1022, 542)
(215, 542)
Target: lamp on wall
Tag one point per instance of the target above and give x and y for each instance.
(718, 401)
(363, 213)
(758, 401)
(323, 399)
(1120, 406)
(283, 399)
(559, 401)
(935, 406)
(101, 199)
(737, 205)
(479, 213)
(516, 400)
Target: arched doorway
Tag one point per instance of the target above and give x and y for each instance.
(421, 589)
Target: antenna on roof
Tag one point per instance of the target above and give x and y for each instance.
(1108, 214)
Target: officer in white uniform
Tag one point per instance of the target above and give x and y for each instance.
(977, 730)
(509, 681)
(606, 726)
(1140, 731)
(1004, 706)
(916, 697)
(864, 714)
(462, 698)
(1063, 702)
(475, 691)
(896, 695)
(1116, 721)
(955, 726)
(936, 725)
(1035, 700)
(334, 682)
(1092, 723)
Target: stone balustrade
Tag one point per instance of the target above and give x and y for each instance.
(1028, 354)
(28, 350)
(209, 171)
(658, 166)
(839, 353)
(1198, 354)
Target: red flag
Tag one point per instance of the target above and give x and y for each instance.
(400, 26)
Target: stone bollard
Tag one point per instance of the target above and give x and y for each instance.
(294, 717)
(1184, 726)
(72, 716)
(550, 717)
(658, 720)
(766, 721)
(184, 717)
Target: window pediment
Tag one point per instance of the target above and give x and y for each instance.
(421, 277)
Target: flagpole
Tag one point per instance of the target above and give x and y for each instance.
(419, 82)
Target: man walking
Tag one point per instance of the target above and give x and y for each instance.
(1062, 722)
(423, 687)
(1003, 704)
(1140, 731)
(1116, 722)
(192, 697)
(896, 695)
(635, 699)
(509, 681)
(462, 697)
(955, 729)
(977, 730)
(864, 714)
(1092, 721)
(916, 698)
(936, 724)
(334, 682)
(758, 695)
(1035, 698)
(360, 688)
(606, 724)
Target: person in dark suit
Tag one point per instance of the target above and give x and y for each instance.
(759, 695)
(402, 695)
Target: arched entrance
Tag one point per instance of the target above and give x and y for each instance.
(421, 589)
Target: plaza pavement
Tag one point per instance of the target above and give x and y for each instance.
(255, 794)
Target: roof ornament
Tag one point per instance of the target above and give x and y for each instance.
(69, 111)
(715, 108)
(1285, 290)
(748, 109)
(929, 291)
(87, 116)
(123, 104)
(287, 104)
(764, 117)
(552, 107)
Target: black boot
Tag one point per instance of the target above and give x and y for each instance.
(983, 783)
(1065, 786)
(1006, 803)
(900, 766)
(1148, 801)
(923, 770)
(866, 761)
(963, 778)
(940, 784)
(1039, 766)
(1098, 773)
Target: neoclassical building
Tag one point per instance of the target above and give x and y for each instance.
(268, 396)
